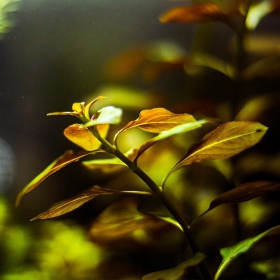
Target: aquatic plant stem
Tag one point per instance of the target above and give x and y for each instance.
(158, 192)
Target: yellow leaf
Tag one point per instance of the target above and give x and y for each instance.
(82, 136)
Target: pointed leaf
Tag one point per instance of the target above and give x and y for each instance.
(178, 272)
(223, 142)
(108, 165)
(82, 136)
(245, 192)
(231, 253)
(169, 133)
(107, 115)
(67, 158)
(88, 106)
(157, 120)
(194, 14)
(71, 204)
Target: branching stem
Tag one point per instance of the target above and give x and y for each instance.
(158, 192)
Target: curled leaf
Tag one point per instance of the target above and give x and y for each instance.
(194, 14)
(67, 158)
(83, 137)
(231, 253)
(223, 142)
(157, 120)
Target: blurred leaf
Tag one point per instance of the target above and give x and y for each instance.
(83, 137)
(263, 67)
(177, 273)
(223, 142)
(269, 268)
(67, 158)
(253, 108)
(125, 64)
(120, 223)
(258, 10)
(245, 192)
(6, 8)
(71, 204)
(212, 62)
(259, 162)
(123, 96)
(164, 51)
(169, 133)
(157, 120)
(107, 115)
(198, 13)
(231, 253)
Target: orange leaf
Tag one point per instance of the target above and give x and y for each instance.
(82, 136)
(223, 142)
(71, 204)
(194, 14)
(67, 158)
(158, 120)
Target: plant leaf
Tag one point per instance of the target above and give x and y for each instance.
(108, 165)
(157, 120)
(81, 136)
(245, 192)
(107, 115)
(223, 142)
(169, 133)
(71, 204)
(176, 273)
(231, 253)
(194, 14)
(67, 158)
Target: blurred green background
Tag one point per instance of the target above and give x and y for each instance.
(56, 52)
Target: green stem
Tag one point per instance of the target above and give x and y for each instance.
(108, 147)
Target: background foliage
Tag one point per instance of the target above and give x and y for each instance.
(58, 53)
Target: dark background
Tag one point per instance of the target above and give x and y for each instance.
(54, 56)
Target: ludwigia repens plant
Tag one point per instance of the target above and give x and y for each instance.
(224, 141)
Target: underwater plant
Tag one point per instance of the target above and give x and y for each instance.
(124, 220)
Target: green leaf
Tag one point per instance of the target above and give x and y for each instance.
(83, 137)
(179, 129)
(109, 165)
(67, 158)
(73, 203)
(223, 142)
(245, 192)
(107, 115)
(231, 253)
(178, 272)
(257, 11)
